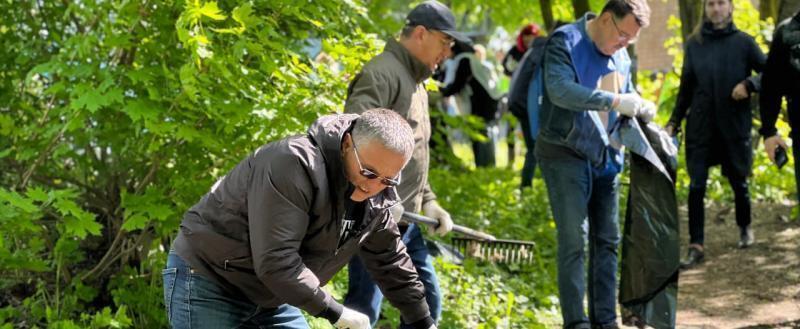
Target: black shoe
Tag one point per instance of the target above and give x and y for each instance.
(612, 325)
(693, 258)
(746, 237)
(582, 325)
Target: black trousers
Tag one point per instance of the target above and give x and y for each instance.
(697, 191)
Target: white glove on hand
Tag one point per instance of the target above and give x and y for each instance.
(397, 212)
(433, 210)
(633, 105)
(351, 319)
(648, 111)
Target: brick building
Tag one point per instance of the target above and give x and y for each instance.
(650, 47)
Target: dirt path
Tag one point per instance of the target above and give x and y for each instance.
(757, 287)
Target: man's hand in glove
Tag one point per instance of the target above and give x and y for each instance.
(433, 210)
(397, 212)
(351, 319)
(633, 105)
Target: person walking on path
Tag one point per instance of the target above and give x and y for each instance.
(714, 97)
(781, 79)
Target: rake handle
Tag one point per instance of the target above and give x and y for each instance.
(419, 219)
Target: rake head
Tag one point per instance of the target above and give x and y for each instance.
(496, 251)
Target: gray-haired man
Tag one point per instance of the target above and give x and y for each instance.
(258, 247)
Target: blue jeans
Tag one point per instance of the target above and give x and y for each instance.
(364, 296)
(578, 193)
(193, 301)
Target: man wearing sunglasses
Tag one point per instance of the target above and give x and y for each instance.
(579, 166)
(394, 80)
(260, 245)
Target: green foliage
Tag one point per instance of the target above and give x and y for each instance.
(117, 116)
(491, 296)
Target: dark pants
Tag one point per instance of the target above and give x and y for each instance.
(484, 153)
(698, 175)
(529, 168)
(794, 122)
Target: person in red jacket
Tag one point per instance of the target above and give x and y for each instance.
(524, 40)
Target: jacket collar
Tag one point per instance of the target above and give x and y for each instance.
(709, 31)
(418, 70)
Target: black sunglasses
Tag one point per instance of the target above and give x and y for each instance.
(368, 174)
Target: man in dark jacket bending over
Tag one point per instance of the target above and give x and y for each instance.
(260, 245)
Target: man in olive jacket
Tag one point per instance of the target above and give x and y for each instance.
(259, 246)
(394, 80)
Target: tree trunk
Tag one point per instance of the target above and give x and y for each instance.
(580, 7)
(788, 9)
(634, 64)
(691, 12)
(547, 14)
(769, 9)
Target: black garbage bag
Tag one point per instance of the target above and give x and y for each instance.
(648, 288)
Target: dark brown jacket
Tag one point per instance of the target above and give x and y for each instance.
(269, 229)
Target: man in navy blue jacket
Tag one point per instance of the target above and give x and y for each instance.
(579, 166)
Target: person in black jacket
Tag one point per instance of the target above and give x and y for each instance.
(473, 83)
(782, 79)
(715, 88)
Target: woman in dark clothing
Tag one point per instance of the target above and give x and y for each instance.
(715, 88)
(524, 40)
(473, 83)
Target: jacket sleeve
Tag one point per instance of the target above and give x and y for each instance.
(279, 198)
(427, 193)
(771, 85)
(368, 90)
(685, 91)
(385, 258)
(508, 57)
(560, 81)
(757, 61)
(463, 73)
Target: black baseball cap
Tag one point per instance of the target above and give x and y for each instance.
(435, 16)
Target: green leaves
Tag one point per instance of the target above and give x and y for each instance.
(76, 221)
(148, 208)
(195, 11)
(91, 98)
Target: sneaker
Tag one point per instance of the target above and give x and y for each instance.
(746, 237)
(694, 257)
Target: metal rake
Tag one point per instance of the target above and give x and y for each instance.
(482, 246)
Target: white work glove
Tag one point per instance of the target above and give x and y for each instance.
(433, 210)
(633, 105)
(397, 212)
(351, 319)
